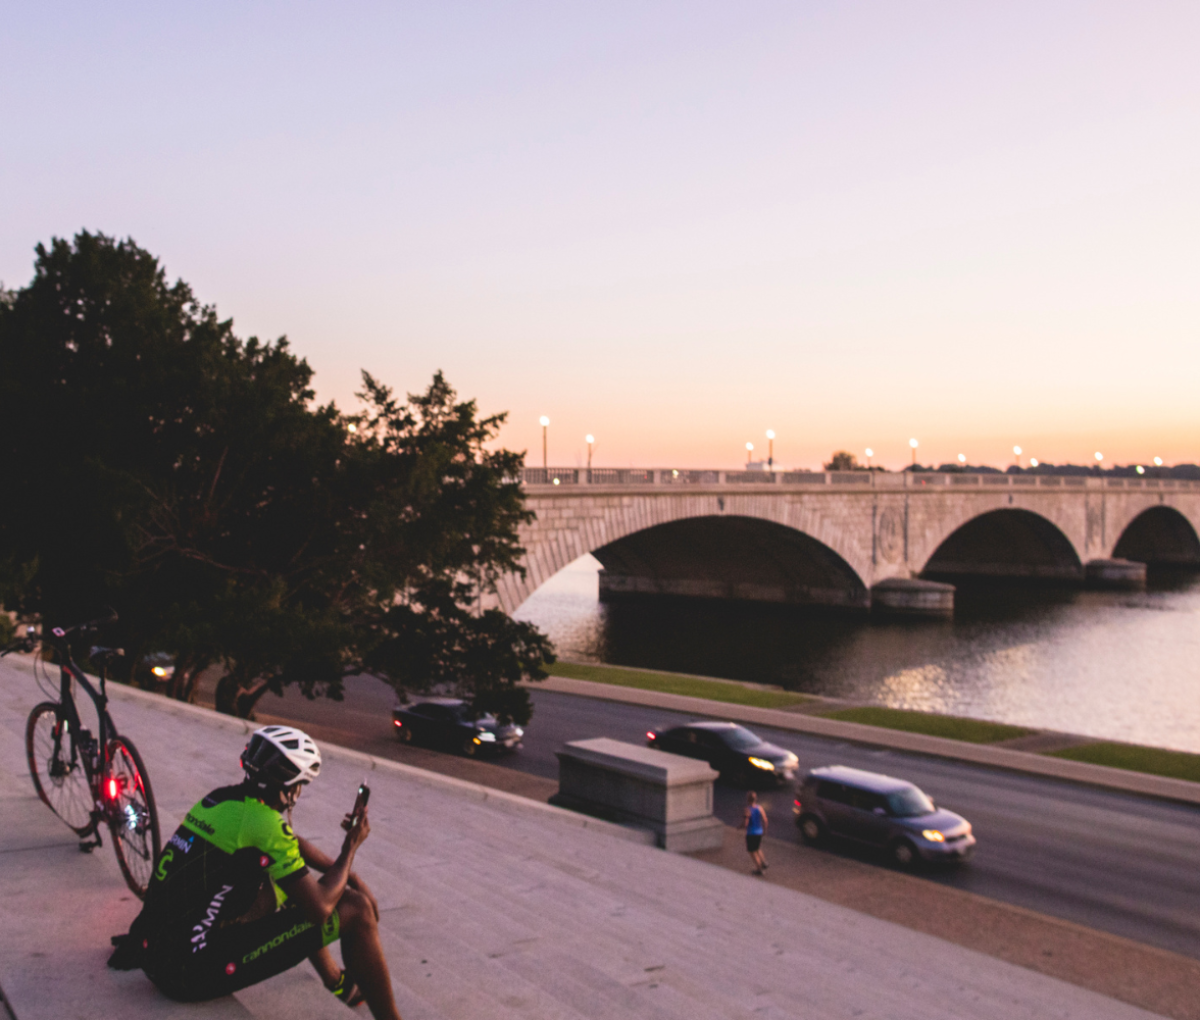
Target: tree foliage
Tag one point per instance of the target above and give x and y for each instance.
(843, 461)
(158, 463)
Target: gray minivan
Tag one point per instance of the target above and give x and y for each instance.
(881, 811)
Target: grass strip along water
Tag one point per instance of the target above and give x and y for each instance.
(1134, 758)
(730, 692)
(974, 731)
(1130, 757)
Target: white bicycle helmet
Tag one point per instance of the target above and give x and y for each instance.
(281, 756)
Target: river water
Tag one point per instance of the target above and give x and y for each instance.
(1118, 665)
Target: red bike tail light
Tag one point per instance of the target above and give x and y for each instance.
(114, 789)
(397, 722)
(651, 735)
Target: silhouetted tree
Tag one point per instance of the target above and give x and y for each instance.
(157, 463)
(843, 461)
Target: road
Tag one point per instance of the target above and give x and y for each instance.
(1109, 861)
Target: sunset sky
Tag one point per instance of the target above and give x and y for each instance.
(673, 225)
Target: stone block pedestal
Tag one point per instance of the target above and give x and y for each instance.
(667, 793)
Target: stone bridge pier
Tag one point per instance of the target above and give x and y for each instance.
(854, 540)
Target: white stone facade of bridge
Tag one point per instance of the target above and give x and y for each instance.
(883, 525)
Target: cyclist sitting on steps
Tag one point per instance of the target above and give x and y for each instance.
(233, 900)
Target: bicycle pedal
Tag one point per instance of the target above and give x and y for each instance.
(87, 846)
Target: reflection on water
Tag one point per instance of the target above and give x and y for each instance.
(1123, 665)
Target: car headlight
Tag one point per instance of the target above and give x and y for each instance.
(487, 736)
(934, 836)
(762, 763)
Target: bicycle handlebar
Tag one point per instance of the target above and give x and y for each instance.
(100, 621)
(26, 644)
(58, 635)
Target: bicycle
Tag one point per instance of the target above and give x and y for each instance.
(91, 780)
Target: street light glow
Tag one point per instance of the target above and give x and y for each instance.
(749, 447)
(913, 443)
(1158, 461)
(544, 421)
(962, 458)
(870, 452)
(589, 438)
(1099, 456)
(1140, 470)
(1017, 450)
(770, 433)
(1033, 462)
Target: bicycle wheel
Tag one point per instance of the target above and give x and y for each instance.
(132, 816)
(58, 773)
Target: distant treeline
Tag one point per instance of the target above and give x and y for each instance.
(843, 460)
(1185, 471)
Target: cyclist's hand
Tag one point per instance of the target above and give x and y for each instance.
(357, 827)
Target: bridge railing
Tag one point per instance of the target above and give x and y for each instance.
(641, 477)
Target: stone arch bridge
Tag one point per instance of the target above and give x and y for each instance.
(846, 538)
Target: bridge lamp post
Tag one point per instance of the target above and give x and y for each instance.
(589, 439)
(770, 449)
(1017, 454)
(545, 425)
(870, 453)
(914, 444)
(1033, 462)
(962, 459)
(749, 453)
(1158, 461)
(1099, 461)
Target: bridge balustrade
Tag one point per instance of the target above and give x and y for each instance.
(874, 479)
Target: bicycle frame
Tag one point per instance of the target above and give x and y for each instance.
(90, 751)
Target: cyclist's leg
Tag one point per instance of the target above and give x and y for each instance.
(240, 955)
(363, 953)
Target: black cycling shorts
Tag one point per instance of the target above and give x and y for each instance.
(239, 955)
(753, 842)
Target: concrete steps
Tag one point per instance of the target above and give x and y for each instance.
(487, 911)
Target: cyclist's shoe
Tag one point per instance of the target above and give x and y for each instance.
(347, 991)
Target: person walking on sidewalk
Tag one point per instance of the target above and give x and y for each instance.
(233, 900)
(754, 821)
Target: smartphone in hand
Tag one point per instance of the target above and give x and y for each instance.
(360, 802)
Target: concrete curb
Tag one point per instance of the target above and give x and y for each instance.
(501, 799)
(1140, 783)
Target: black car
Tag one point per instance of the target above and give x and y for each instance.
(880, 811)
(731, 749)
(448, 722)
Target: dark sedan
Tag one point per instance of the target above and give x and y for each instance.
(732, 750)
(449, 723)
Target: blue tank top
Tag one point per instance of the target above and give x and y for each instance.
(755, 826)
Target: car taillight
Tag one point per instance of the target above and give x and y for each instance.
(797, 803)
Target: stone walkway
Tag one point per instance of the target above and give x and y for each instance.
(493, 906)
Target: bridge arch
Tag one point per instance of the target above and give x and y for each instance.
(1007, 542)
(1159, 535)
(729, 557)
